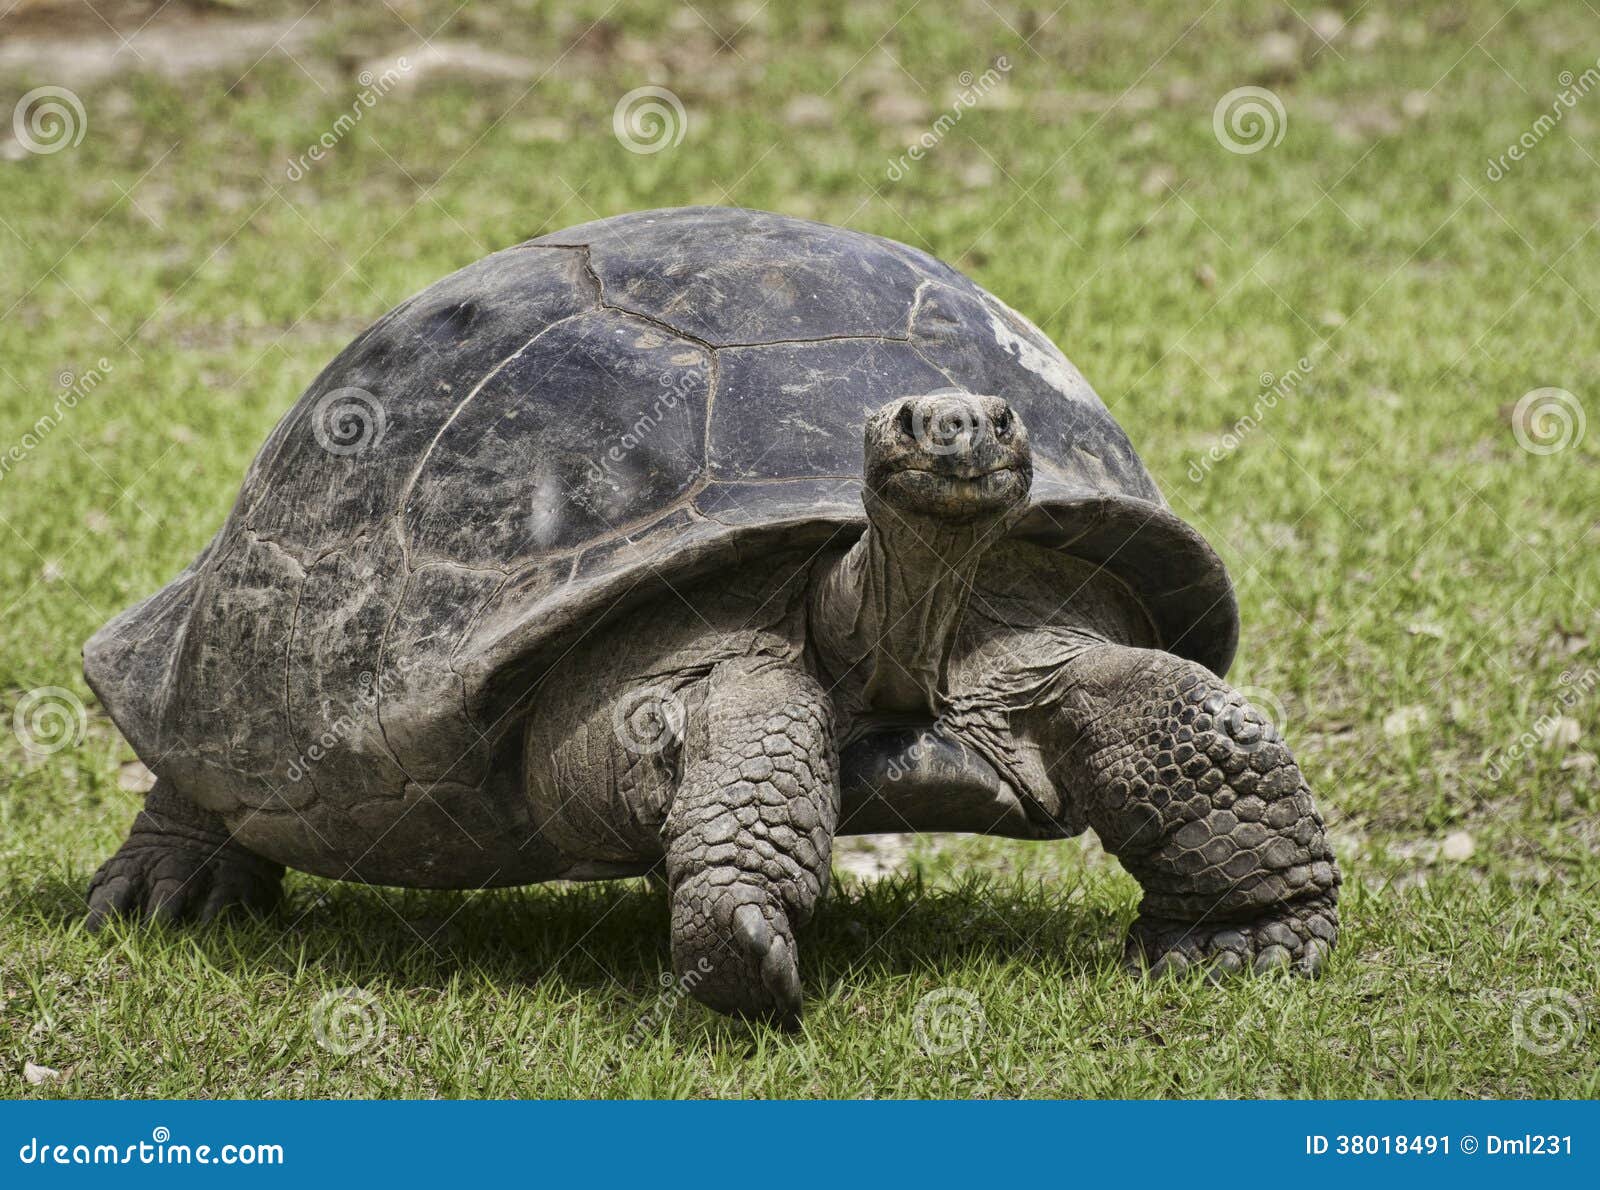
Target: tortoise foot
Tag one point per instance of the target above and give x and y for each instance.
(179, 864)
(1295, 937)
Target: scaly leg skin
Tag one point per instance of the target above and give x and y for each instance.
(1194, 791)
(750, 836)
(179, 863)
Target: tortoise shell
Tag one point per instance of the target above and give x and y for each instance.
(553, 432)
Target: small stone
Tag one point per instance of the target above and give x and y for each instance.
(1405, 720)
(1326, 23)
(897, 107)
(37, 1075)
(808, 111)
(133, 777)
(1561, 734)
(1279, 50)
(1458, 845)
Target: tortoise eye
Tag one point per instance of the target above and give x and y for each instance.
(1002, 424)
(903, 421)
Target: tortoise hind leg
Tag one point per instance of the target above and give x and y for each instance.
(179, 863)
(750, 836)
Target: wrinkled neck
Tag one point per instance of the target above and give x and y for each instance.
(884, 616)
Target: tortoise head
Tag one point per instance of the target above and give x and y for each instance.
(948, 455)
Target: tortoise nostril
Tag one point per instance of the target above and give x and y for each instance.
(905, 422)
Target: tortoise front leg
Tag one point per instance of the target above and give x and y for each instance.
(750, 836)
(1193, 790)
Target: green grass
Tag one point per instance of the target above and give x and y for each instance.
(1393, 545)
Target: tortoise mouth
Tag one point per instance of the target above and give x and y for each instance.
(946, 491)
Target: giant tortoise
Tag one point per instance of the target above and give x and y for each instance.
(679, 543)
